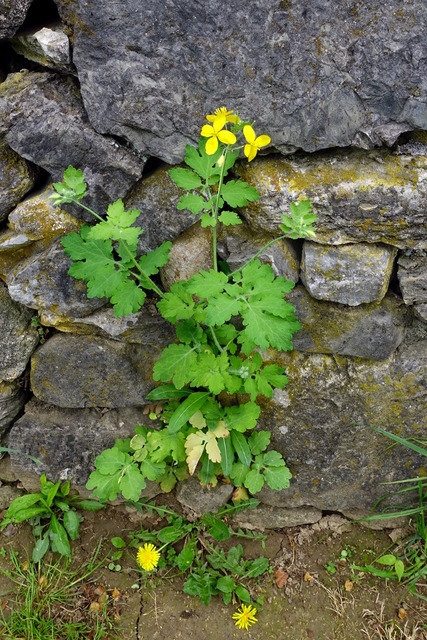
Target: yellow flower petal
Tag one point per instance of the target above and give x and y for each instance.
(250, 152)
(219, 123)
(207, 131)
(211, 145)
(262, 141)
(249, 133)
(227, 137)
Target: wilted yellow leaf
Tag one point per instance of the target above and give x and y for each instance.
(197, 420)
(239, 494)
(402, 614)
(194, 447)
(308, 577)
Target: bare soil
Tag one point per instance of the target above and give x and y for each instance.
(302, 600)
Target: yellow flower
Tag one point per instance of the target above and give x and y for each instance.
(230, 116)
(215, 132)
(254, 143)
(147, 557)
(245, 616)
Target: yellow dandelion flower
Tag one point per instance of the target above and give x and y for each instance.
(254, 143)
(215, 132)
(230, 116)
(245, 616)
(147, 557)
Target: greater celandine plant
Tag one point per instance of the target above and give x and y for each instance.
(212, 376)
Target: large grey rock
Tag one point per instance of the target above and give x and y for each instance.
(66, 441)
(321, 421)
(267, 517)
(17, 177)
(349, 274)
(48, 47)
(190, 493)
(12, 15)
(42, 282)
(368, 331)
(239, 244)
(12, 398)
(156, 196)
(375, 196)
(313, 74)
(190, 252)
(18, 338)
(33, 224)
(89, 371)
(44, 120)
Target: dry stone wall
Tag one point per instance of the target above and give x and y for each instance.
(118, 90)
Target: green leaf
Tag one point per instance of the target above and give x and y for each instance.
(241, 447)
(59, 537)
(175, 363)
(242, 417)
(164, 444)
(118, 543)
(229, 218)
(226, 584)
(126, 298)
(193, 203)
(254, 481)
(399, 568)
(71, 522)
(177, 304)
(387, 559)
(256, 567)
(185, 179)
(199, 160)
(185, 559)
(167, 392)
(243, 594)
(151, 262)
(202, 584)
(117, 226)
(207, 220)
(238, 473)
(238, 194)
(90, 505)
(259, 441)
(73, 186)
(186, 410)
(278, 477)
(218, 530)
(206, 284)
(227, 455)
(40, 548)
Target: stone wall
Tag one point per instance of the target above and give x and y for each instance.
(118, 90)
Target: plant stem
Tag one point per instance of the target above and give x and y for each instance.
(83, 206)
(218, 195)
(154, 286)
(215, 339)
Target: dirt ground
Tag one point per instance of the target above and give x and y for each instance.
(302, 599)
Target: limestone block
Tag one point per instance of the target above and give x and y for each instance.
(42, 282)
(43, 118)
(12, 15)
(156, 196)
(349, 274)
(412, 275)
(190, 252)
(266, 517)
(12, 398)
(18, 338)
(371, 331)
(88, 371)
(66, 441)
(48, 46)
(320, 423)
(17, 177)
(377, 196)
(313, 75)
(190, 493)
(33, 224)
(239, 244)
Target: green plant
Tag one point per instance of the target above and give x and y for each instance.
(191, 549)
(54, 602)
(52, 514)
(226, 323)
(408, 563)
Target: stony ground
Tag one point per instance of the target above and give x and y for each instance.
(301, 598)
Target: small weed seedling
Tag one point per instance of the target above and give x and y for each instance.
(52, 513)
